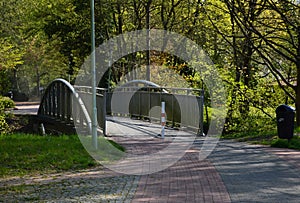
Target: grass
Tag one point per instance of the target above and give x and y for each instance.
(107, 152)
(254, 137)
(266, 138)
(26, 154)
(294, 143)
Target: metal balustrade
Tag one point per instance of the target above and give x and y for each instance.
(71, 105)
(62, 108)
(184, 107)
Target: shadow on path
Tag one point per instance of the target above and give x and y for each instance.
(251, 174)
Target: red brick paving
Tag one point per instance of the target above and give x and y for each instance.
(189, 180)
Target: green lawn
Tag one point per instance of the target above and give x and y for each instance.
(23, 154)
(294, 143)
(266, 138)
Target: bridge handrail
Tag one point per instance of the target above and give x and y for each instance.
(146, 88)
(88, 89)
(57, 103)
(75, 95)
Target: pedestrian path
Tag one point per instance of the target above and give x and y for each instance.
(188, 180)
(26, 108)
(233, 172)
(256, 173)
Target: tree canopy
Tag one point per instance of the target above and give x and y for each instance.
(254, 44)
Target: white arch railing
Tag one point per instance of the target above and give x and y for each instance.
(62, 104)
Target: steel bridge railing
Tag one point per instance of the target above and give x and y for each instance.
(184, 106)
(63, 107)
(71, 105)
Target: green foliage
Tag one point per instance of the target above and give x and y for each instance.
(252, 108)
(5, 84)
(29, 59)
(5, 103)
(253, 123)
(253, 44)
(3, 124)
(10, 54)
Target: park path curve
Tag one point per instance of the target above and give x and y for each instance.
(255, 173)
(234, 172)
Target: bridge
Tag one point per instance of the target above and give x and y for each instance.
(233, 172)
(67, 109)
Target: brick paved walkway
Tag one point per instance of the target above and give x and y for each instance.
(234, 172)
(188, 180)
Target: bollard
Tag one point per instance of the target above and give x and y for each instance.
(163, 119)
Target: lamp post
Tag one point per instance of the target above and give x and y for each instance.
(148, 73)
(93, 72)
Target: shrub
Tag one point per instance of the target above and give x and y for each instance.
(5, 103)
(3, 124)
(255, 122)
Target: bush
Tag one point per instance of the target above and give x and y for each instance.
(3, 124)
(5, 103)
(251, 108)
(255, 122)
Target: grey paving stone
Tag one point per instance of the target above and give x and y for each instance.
(253, 175)
(114, 189)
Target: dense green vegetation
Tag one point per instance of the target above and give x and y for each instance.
(254, 44)
(5, 104)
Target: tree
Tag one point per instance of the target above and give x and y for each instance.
(278, 32)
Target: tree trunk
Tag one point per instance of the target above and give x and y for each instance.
(38, 83)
